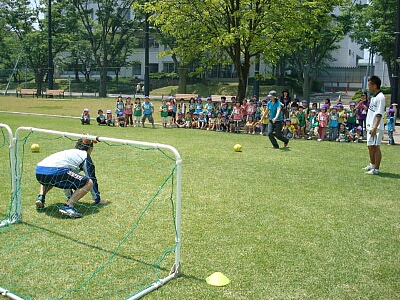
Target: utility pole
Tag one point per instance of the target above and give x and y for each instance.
(50, 46)
(146, 56)
(395, 87)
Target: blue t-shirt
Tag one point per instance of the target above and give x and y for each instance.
(334, 120)
(147, 108)
(390, 124)
(273, 108)
(199, 107)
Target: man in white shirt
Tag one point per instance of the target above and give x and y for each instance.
(374, 125)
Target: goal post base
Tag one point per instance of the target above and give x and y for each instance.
(13, 219)
(8, 294)
(159, 283)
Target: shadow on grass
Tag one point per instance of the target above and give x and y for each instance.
(83, 208)
(111, 252)
(389, 175)
(285, 149)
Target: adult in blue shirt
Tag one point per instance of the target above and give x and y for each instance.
(274, 111)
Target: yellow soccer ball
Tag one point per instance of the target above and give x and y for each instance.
(237, 148)
(35, 148)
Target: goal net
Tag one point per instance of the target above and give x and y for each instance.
(122, 250)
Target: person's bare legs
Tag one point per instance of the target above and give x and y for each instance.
(80, 193)
(375, 156)
(44, 189)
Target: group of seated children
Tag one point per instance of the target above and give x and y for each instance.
(102, 119)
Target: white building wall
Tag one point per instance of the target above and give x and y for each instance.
(381, 71)
(348, 54)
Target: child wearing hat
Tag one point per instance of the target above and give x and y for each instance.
(164, 113)
(128, 112)
(202, 121)
(333, 124)
(109, 118)
(137, 112)
(85, 117)
(355, 134)
(323, 119)
(313, 124)
(351, 116)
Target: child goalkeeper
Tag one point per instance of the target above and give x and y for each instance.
(62, 169)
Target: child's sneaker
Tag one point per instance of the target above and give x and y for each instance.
(69, 211)
(373, 172)
(40, 202)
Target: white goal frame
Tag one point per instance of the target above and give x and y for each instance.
(16, 215)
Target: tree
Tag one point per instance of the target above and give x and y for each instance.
(213, 30)
(318, 32)
(110, 31)
(374, 27)
(28, 33)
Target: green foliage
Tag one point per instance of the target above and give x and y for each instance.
(373, 28)
(317, 32)
(162, 75)
(216, 31)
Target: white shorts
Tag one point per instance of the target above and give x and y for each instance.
(376, 139)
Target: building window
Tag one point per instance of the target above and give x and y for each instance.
(168, 67)
(153, 68)
(137, 69)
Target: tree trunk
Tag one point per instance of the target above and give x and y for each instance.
(243, 75)
(182, 72)
(103, 82)
(39, 82)
(77, 80)
(306, 86)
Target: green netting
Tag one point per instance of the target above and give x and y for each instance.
(114, 251)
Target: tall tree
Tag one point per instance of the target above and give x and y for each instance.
(28, 32)
(216, 29)
(110, 31)
(319, 30)
(374, 29)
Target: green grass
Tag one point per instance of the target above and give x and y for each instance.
(299, 223)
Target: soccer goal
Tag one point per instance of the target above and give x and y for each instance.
(8, 211)
(122, 250)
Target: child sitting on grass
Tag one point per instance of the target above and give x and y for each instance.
(249, 126)
(85, 117)
(342, 135)
(355, 134)
(289, 130)
(101, 118)
(109, 118)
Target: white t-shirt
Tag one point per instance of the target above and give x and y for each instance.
(376, 107)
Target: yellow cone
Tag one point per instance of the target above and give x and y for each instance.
(217, 279)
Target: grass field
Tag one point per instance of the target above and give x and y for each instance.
(298, 223)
